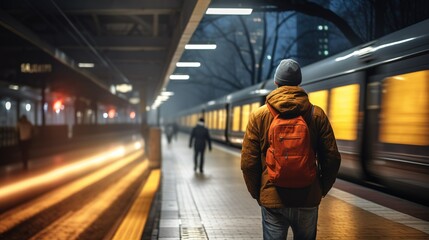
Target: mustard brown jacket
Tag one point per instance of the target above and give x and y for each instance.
(289, 101)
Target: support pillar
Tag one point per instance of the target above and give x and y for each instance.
(155, 147)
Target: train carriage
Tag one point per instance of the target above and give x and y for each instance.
(376, 98)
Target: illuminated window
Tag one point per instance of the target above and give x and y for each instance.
(245, 117)
(319, 98)
(194, 119)
(212, 120)
(236, 118)
(404, 116)
(207, 118)
(254, 106)
(222, 116)
(215, 119)
(343, 113)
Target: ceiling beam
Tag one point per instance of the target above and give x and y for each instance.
(152, 56)
(124, 7)
(124, 4)
(17, 28)
(105, 42)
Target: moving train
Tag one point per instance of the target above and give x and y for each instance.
(377, 99)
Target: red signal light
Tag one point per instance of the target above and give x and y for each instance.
(58, 106)
(111, 113)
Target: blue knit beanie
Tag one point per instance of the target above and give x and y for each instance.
(288, 73)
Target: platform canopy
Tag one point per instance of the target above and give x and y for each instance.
(89, 47)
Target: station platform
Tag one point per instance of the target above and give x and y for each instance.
(216, 205)
(90, 193)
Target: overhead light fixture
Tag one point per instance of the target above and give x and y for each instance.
(167, 94)
(229, 11)
(162, 98)
(179, 77)
(124, 88)
(188, 64)
(112, 89)
(86, 65)
(200, 46)
(134, 100)
(14, 87)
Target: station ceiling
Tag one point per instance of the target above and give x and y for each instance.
(133, 42)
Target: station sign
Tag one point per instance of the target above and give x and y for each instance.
(36, 68)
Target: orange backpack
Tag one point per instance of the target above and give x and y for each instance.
(290, 159)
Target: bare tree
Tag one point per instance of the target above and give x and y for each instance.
(249, 49)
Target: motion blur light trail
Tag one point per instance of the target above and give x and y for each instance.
(66, 171)
(90, 211)
(14, 216)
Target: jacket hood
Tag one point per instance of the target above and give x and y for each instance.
(289, 101)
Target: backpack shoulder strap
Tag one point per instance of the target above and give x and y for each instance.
(308, 117)
(273, 111)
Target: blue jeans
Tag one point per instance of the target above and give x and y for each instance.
(276, 221)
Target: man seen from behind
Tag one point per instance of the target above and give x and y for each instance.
(284, 207)
(199, 136)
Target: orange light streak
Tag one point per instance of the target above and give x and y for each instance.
(15, 216)
(65, 171)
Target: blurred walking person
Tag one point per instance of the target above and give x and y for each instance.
(169, 132)
(201, 135)
(25, 134)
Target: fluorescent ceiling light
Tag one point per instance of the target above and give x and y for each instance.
(14, 87)
(134, 100)
(200, 46)
(188, 64)
(179, 77)
(124, 88)
(229, 11)
(162, 98)
(167, 93)
(86, 65)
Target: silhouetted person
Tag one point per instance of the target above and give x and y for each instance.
(169, 132)
(201, 135)
(296, 205)
(25, 133)
(175, 130)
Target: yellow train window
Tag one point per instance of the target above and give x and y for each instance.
(343, 111)
(207, 119)
(254, 106)
(236, 118)
(214, 119)
(404, 116)
(222, 116)
(319, 98)
(194, 119)
(245, 117)
(210, 120)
